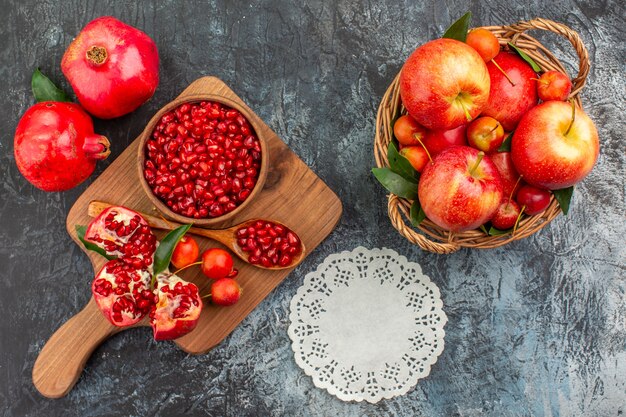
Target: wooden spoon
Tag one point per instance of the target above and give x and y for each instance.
(227, 237)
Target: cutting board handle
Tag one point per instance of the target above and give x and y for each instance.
(63, 358)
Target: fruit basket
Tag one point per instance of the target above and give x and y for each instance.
(428, 235)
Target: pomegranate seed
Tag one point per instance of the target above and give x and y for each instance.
(202, 141)
(269, 244)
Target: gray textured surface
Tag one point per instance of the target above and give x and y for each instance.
(535, 329)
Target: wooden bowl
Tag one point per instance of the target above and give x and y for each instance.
(160, 205)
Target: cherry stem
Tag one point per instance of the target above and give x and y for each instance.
(495, 127)
(478, 160)
(185, 267)
(503, 72)
(416, 136)
(541, 81)
(174, 273)
(519, 217)
(573, 117)
(206, 296)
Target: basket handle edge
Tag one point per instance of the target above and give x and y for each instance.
(560, 29)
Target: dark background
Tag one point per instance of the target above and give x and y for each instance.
(535, 329)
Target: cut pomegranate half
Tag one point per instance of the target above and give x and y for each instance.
(122, 293)
(177, 308)
(123, 233)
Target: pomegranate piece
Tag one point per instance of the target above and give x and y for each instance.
(123, 233)
(177, 308)
(123, 288)
(55, 146)
(112, 67)
(122, 292)
(202, 159)
(269, 244)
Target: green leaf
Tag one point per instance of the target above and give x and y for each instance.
(399, 164)
(458, 30)
(80, 232)
(506, 145)
(484, 229)
(526, 58)
(395, 183)
(163, 254)
(497, 232)
(45, 90)
(564, 196)
(417, 214)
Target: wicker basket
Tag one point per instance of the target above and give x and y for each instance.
(430, 236)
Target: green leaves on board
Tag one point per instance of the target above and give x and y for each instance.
(458, 30)
(80, 232)
(45, 90)
(163, 254)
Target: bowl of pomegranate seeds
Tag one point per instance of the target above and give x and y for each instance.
(202, 160)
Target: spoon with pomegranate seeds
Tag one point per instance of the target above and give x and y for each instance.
(265, 244)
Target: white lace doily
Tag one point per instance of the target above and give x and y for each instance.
(367, 324)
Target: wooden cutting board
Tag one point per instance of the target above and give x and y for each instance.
(292, 194)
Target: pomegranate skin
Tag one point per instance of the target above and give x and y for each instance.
(112, 67)
(55, 146)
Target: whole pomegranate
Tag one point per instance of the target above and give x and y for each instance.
(55, 146)
(112, 67)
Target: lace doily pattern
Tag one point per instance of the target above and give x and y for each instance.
(367, 324)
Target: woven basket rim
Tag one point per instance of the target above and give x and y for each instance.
(430, 236)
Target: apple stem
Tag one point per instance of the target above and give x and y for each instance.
(519, 217)
(541, 81)
(503, 72)
(468, 116)
(416, 136)
(514, 187)
(478, 160)
(209, 295)
(573, 118)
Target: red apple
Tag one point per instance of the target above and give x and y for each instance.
(507, 102)
(551, 151)
(554, 85)
(444, 84)
(460, 190)
(438, 140)
(534, 200)
(508, 173)
(506, 215)
(416, 155)
(408, 131)
(485, 134)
